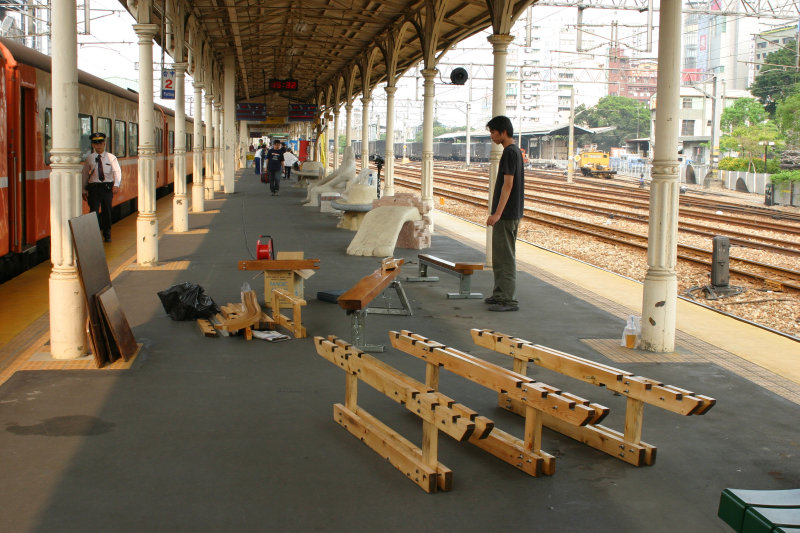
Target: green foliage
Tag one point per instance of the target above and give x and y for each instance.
(438, 129)
(342, 142)
(752, 164)
(743, 112)
(774, 84)
(787, 175)
(745, 139)
(631, 118)
(787, 115)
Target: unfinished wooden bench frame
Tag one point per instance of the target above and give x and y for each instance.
(358, 299)
(538, 400)
(295, 323)
(437, 411)
(462, 270)
(234, 317)
(627, 445)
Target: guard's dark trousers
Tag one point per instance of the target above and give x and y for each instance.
(99, 198)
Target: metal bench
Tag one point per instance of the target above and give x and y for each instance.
(760, 510)
(462, 270)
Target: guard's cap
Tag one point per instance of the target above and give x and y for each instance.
(98, 137)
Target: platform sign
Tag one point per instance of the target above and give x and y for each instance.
(247, 111)
(302, 112)
(168, 84)
(275, 121)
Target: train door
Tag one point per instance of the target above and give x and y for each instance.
(5, 208)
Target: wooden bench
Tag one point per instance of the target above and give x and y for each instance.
(462, 270)
(295, 323)
(638, 390)
(538, 400)
(357, 300)
(437, 411)
(760, 510)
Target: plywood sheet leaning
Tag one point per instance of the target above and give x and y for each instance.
(94, 277)
(627, 445)
(538, 400)
(121, 333)
(437, 411)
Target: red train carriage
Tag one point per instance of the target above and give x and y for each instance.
(26, 137)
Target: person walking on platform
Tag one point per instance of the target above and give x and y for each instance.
(257, 159)
(505, 214)
(289, 159)
(101, 179)
(274, 162)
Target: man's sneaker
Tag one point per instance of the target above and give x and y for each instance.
(491, 300)
(504, 307)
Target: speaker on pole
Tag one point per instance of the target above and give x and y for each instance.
(459, 76)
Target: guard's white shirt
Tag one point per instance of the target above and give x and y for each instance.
(111, 169)
(289, 159)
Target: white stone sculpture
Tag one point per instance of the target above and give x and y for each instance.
(336, 181)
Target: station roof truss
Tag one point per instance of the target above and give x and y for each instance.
(320, 43)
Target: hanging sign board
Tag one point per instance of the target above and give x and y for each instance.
(302, 112)
(168, 84)
(275, 121)
(247, 111)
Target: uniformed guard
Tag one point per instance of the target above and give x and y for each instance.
(101, 179)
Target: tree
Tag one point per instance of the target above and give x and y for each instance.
(774, 83)
(438, 129)
(744, 139)
(743, 112)
(787, 115)
(631, 118)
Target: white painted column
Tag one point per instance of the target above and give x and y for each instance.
(146, 222)
(215, 155)
(209, 150)
(243, 144)
(67, 308)
(198, 189)
(365, 100)
(229, 127)
(336, 139)
(388, 168)
(348, 124)
(500, 50)
(427, 139)
(180, 202)
(659, 302)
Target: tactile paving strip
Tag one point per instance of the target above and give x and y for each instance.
(171, 265)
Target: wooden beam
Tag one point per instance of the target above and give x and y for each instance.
(279, 264)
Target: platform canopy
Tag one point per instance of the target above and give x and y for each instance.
(320, 43)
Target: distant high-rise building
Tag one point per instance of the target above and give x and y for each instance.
(631, 77)
(769, 41)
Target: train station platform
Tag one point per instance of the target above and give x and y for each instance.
(224, 434)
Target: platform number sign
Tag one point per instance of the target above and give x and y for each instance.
(168, 84)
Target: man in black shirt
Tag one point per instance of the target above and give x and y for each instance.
(507, 209)
(274, 159)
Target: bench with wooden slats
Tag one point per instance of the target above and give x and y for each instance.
(537, 399)
(462, 270)
(638, 390)
(358, 299)
(437, 411)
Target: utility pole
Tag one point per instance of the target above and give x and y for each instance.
(571, 143)
(716, 108)
(469, 106)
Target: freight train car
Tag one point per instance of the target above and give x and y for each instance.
(26, 141)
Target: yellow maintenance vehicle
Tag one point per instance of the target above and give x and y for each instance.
(595, 163)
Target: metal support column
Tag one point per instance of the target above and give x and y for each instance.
(428, 95)
(388, 157)
(198, 189)
(180, 202)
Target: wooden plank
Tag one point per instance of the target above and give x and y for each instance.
(385, 442)
(94, 277)
(522, 388)
(415, 396)
(351, 390)
(206, 327)
(532, 440)
(295, 323)
(460, 267)
(117, 323)
(649, 391)
(279, 264)
(511, 450)
(634, 414)
(367, 288)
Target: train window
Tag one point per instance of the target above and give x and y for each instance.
(86, 134)
(133, 138)
(159, 140)
(48, 134)
(104, 125)
(172, 142)
(119, 138)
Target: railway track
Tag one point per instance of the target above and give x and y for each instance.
(754, 270)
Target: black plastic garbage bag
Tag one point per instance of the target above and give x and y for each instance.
(187, 301)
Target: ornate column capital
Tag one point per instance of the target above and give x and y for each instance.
(348, 107)
(180, 67)
(500, 42)
(366, 100)
(429, 73)
(198, 85)
(390, 90)
(145, 32)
